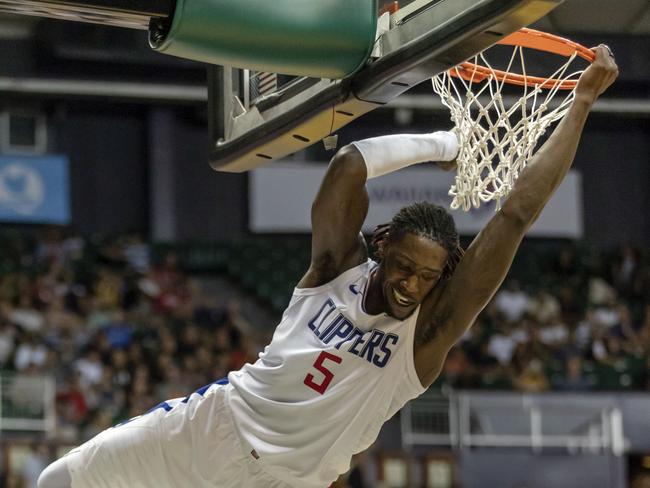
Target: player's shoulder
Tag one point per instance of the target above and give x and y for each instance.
(326, 268)
(318, 277)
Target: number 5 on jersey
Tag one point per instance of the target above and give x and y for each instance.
(328, 375)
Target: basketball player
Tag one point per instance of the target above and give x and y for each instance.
(358, 339)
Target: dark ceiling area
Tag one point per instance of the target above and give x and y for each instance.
(34, 48)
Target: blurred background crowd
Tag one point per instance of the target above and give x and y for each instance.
(99, 324)
(118, 332)
(122, 325)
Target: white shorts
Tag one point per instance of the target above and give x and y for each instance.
(179, 444)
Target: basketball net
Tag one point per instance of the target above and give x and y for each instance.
(498, 134)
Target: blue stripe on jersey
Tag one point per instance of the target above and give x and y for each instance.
(201, 391)
(167, 407)
(164, 405)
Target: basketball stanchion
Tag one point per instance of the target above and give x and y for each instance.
(498, 133)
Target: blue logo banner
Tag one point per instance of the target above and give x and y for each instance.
(34, 189)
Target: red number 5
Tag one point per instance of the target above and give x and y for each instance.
(318, 364)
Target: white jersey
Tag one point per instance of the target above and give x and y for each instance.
(327, 382)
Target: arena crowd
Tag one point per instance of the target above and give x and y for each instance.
(121, 328)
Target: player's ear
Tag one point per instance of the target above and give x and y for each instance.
(379, 240)
(452, 261)
(381, 249)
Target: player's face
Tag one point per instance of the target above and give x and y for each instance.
(410, 268)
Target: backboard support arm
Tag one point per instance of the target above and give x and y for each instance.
(411, 53)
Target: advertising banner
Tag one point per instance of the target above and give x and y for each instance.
(281, 194)
(34, 189)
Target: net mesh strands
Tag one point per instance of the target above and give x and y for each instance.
(498, 133)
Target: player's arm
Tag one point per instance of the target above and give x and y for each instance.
(338, 211)
(449, 313)
(341, 204)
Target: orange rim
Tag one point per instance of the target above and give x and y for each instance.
(532, 39)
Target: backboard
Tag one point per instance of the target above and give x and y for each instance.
(256, 118)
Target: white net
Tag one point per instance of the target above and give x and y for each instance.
(498, 133)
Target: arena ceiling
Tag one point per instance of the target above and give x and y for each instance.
(145, 75)
(630, 17)
(627, 17)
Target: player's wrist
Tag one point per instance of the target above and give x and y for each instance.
(585, 97)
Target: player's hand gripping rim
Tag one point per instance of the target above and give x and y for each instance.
(599, 76)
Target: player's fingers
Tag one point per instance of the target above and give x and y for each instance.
(603, 53)
(605, 59)
(607, 48)
(610, 59)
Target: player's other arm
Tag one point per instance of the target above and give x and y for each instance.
(341, 204)
(337, 214)
(488, 259)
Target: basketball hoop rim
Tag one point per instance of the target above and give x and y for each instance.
(532, 39)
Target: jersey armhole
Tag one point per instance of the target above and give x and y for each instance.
(410, 364)
(345, 276)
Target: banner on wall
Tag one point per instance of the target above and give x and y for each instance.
(34, 189)
(281, 194)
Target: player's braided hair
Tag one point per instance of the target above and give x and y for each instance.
(427, 220)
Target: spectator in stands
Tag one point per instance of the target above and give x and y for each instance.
(71, 407)
(31, 351)
(49, 248)
(567, 268)
(554, 332)
(33, 464)
(136, 252)
(508, 337)
(600, 292)
(614, 350)
(458, 373)
(99, 419)
(26, 316)
(118, 331)
(598, 348)
(531, 377)
(7, 340)
(90, 368)
(626, 272)
(584, 331)
(108, 289)
(608, 313)
(143, 322)
(544, 307)
(511, 301)
(644, 330)
(626, 329)
(171, 385)
(574, 378)
(571, 304)
(61, 317)
(171, 283)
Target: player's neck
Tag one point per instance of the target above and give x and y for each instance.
(374, 302)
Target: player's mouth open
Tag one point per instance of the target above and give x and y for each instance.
(401, 300)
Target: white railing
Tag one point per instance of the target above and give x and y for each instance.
(575, 422)
(27, 403)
